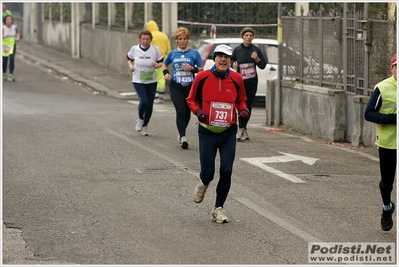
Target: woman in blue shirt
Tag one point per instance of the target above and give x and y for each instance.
(185, 63)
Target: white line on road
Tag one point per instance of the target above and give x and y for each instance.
(178, 164)
(128, 94)
(260, 162)
(267, 214)
(277, 220)
(281, 174)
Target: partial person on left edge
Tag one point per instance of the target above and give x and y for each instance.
(11, 35)
(6, 12)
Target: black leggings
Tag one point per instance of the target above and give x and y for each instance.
(387, 170)
(178, 94)
(5, 61)
(250, 90)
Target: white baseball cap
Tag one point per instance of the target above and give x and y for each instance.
(225, 49)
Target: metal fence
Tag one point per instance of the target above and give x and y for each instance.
(310, 51)
(347, 52)
(344, 51)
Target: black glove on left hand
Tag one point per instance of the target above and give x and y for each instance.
(202, 116)
(244, 115)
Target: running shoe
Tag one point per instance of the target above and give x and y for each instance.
(244, 134)
(159, 101)
(386, 219)
(183, 142)
(139, 125)
(199, 192)
(144, 131)
(219, 215)
(239, 134)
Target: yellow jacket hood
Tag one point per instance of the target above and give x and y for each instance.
(159, 38)
(152, 26)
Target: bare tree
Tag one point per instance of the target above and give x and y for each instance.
(391, 17)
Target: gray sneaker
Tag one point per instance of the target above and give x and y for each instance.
(199, 192)
(144, 131)
(239, 134)
(159, 101)
(244, 134)
(139, 125)
(219, 215)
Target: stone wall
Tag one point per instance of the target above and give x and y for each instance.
(317, 111)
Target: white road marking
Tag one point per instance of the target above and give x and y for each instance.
(134, 102)
(261, 163)
(178, 164)
(267, 214)
(277, 220)
(128, 93)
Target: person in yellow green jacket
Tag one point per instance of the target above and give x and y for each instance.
(161, 40)
(6, 11)
(11, 35)
(381, 109)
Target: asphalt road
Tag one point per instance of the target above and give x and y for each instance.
(81, 186)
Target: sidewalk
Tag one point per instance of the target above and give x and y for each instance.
(98, 78)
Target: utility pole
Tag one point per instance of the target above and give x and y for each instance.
(279, 69)
(169, 19)
(75, 30)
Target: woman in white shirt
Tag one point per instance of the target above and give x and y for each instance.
(142, 60)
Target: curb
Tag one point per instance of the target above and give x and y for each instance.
(77, 78)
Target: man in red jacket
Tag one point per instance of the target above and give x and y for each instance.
(215, 96)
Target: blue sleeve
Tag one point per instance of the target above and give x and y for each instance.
(372, 113)
(168, 59)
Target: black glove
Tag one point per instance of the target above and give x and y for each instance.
(391, 118)
(201, 115)
(244, 115)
